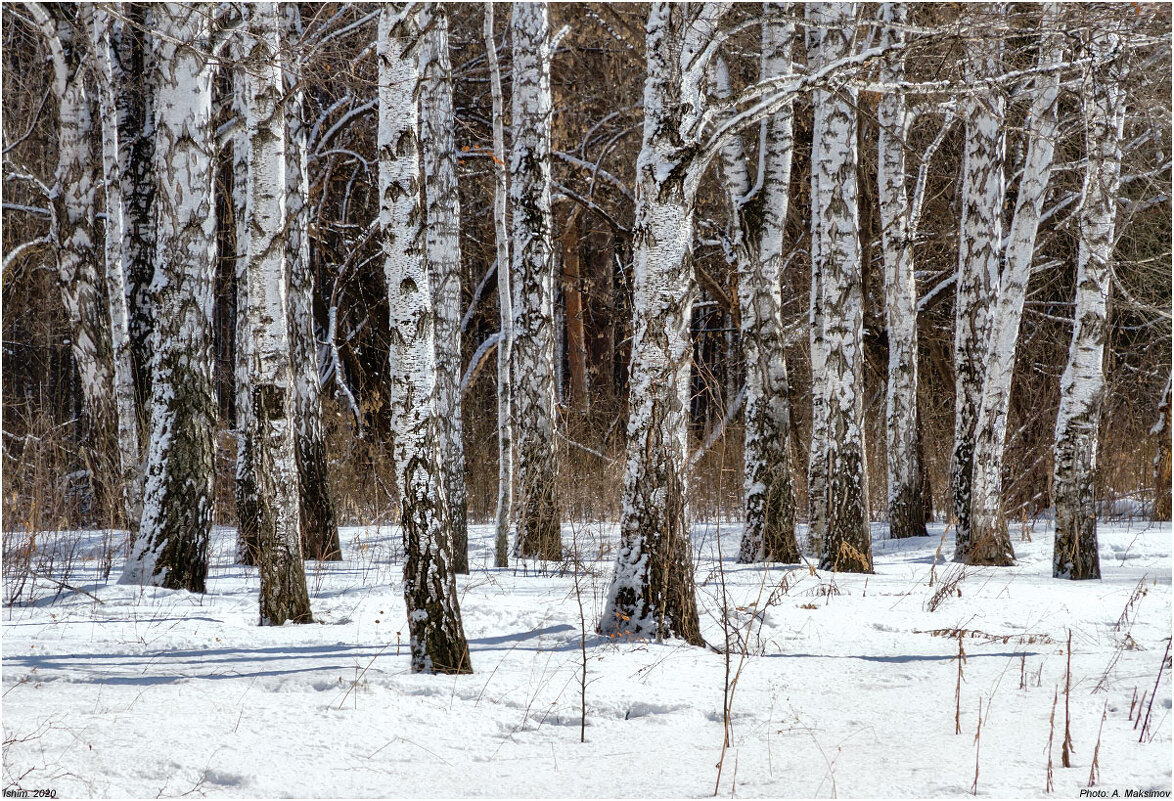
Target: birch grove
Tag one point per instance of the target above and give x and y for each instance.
(437, 637)
(533, 367)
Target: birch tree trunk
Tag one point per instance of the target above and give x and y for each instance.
(172, 547)
(1162, 477)
(74, 231)
(903, 460)
(319, 530)
(279, 554)
(817, 454)
(989, 540)
(980, 239)
(1082, 385)
(652, 592)
(847, 542)
(438, 642)
(444, 265)
(533, 368)
(505, 346)
(248, 503)
(100, 23)
(136, 147)
(761, 211)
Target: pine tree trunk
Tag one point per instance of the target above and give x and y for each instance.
(533, 368)
(172, 547)
(847, 541)
(279, 553)
(136, 144)
(1082, 385)
(652, 592)
(505, 347)
(444, 264)
(903, 462)
(980, 240)
(438, 642)
(248, 504)
(989, 539)
(319, 530)
(100, 24)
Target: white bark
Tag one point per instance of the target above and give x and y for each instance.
(283, 593)
(1082, 385)
(437, 637)
(533, 368)
(505, 436)
(980, 240)
(100, 23)
(988, 527)
(652, 592)
(74, 234)
(319, 531)
(903, 466)
(171, 549)
(444, 265)
(836, 259)
(761, 213)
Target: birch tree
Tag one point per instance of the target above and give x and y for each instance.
(437, 637)
(505, 345)
(1083, 382)
(444, 266)
(279, 554)
(73, 202)
(761, 213)
(319, 530)
(99, 23)
(134, 101)
(652, 592)
(836, 258)
(533, 368)
(906, 507)
(989, 540)
(172, 547)
(1162, 466)
(980, 240)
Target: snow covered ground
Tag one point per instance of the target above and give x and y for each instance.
(847, 686)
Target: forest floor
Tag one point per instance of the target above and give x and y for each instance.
(846, 685)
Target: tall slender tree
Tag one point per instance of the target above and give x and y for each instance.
(444, 265)
(1082, 386)
(989, 540)
(533, 368)
(761, 212)
(902, 455)
(979, 247)
(172, 547)
(319, 530)
(438, 642)
(836, 259)
(279, 554)
(505, 345)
